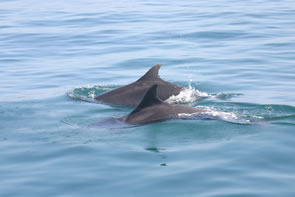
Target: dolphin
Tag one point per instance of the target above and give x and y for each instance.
(131, 94)
(152, 109)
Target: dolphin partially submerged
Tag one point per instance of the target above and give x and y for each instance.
(152, 109)
(132, 94)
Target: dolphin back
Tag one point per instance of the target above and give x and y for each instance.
(132, 94)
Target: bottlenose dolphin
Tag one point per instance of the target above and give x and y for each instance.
(132, 94)
(152, 109)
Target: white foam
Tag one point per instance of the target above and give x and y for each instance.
(91, 94)
(187, 95)
(90, 86)
(212, 113)
(86, 92)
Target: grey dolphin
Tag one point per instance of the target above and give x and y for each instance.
(152, 109)
(132, 94)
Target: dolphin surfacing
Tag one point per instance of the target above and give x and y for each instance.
(131, 94)
(152, 109)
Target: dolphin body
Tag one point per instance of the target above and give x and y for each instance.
(152, 109)
(131, 94)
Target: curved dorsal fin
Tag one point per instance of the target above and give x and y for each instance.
(150, 98)
(152, 73)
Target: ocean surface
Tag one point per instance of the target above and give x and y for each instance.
(235, 58)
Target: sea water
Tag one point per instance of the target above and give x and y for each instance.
(236, 59)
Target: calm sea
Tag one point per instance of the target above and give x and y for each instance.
(236, 59)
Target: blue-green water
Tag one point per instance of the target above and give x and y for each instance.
(54, 55)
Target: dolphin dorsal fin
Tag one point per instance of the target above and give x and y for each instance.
(152, 74)
(150, 98)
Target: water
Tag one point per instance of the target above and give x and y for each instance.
(236, 59)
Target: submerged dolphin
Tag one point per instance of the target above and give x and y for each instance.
(152, 108)
(132, 94)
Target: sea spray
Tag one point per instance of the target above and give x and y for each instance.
(187, 95)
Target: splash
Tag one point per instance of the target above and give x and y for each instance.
(191, 95)
(187, 95)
